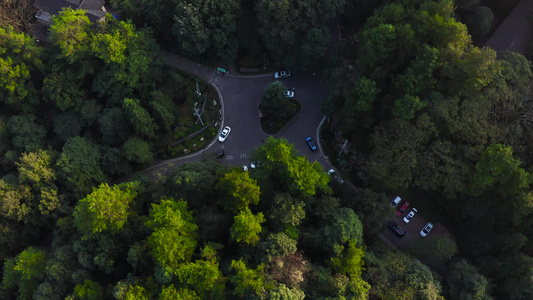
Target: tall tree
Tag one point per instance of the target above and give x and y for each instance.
(467, 283)
(26, 134)
(247, 227)
(25, 271)
(20, 59)
(105, 209)
(247, 281)
(241, 190)
(351, 263)
(173, 239)
(79, 165)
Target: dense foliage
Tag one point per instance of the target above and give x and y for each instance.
(435, 115)
(426, 113)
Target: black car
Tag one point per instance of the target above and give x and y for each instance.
(220, 153)
(398, 231)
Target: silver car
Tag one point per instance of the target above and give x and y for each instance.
(426, 229)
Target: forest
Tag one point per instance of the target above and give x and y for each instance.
(428, 112)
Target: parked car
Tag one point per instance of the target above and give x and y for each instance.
(282, 74)
(402, 209)
(311, 143)
(224, 134)
(396, 201)
(288, 94)
(255, 164)
(335, 176)
(245, 168)
(426, 229)
(410, 215)
(220, 153)
(398, 231)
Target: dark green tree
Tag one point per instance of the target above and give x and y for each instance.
(137, 150)
(467, 283)
(79, 166)
(273, 99)
(26, 134)
(25, 271)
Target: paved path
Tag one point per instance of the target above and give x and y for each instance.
(516, 31)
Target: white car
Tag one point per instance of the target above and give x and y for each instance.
(255, 164)
(335, 176)
(410, 215)
(396, 201)
(282, 74)
(224, 134)
(245, 168)
(288, 94)
(426, 229)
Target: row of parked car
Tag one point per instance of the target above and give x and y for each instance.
(407, 218)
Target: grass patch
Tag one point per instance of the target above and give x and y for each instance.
(273, 124)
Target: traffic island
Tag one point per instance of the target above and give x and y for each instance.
(275, 122)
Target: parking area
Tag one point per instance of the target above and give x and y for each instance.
(412, 229)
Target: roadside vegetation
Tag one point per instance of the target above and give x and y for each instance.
(425, 112)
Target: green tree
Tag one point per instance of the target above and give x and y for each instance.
(105, 209)
(204, 276)
(220, 20)
(137, 150)
(71, 33)
(26, 135)
(137, 292)
(351, 263)
(114, 126)
(139, 117)
(62, 86)
(67, 125)
(371, 207)
(89, 290)
(273, 99)
(131, 65)
(276, 244)
(170, 293)
(20, 59)
(173, 239)
(363, 95)
(79, 165)
(241, 190)
(16, 202)
(467, 283)
(341, 226)
(36, 167)
(25, 271)
(479, 21)
(190, 30)
(247, 227)
(193, 181)
(248, 281)
(282, 292)
(287, 211)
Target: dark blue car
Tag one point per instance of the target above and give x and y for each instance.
(311, 143)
